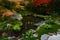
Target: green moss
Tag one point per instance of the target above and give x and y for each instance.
(43, 30)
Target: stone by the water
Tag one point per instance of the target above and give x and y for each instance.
(45, 37)
(54, 37)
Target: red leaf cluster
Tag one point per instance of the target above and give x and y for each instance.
(38, 2)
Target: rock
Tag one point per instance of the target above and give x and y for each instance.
(35, 35)
(40, 24)
(54, 37)
(9, 37)
(58, 22)
(17, 16)
(12, 38)
(4, 34)
(9, 25)
(50, 34)
(59, 30)
(19, 39)
(44, 37)
(33, 30)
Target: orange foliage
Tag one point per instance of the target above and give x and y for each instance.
(8, 13)
(17, 2)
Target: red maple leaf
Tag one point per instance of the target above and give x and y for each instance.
(38, 2)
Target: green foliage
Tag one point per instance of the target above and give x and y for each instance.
(29, 35)
(45, 29)
(7, 4)
(47, 26)
(16, 24)
(30, 38)
(50, 25)
(16, 27)
(4, 38)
